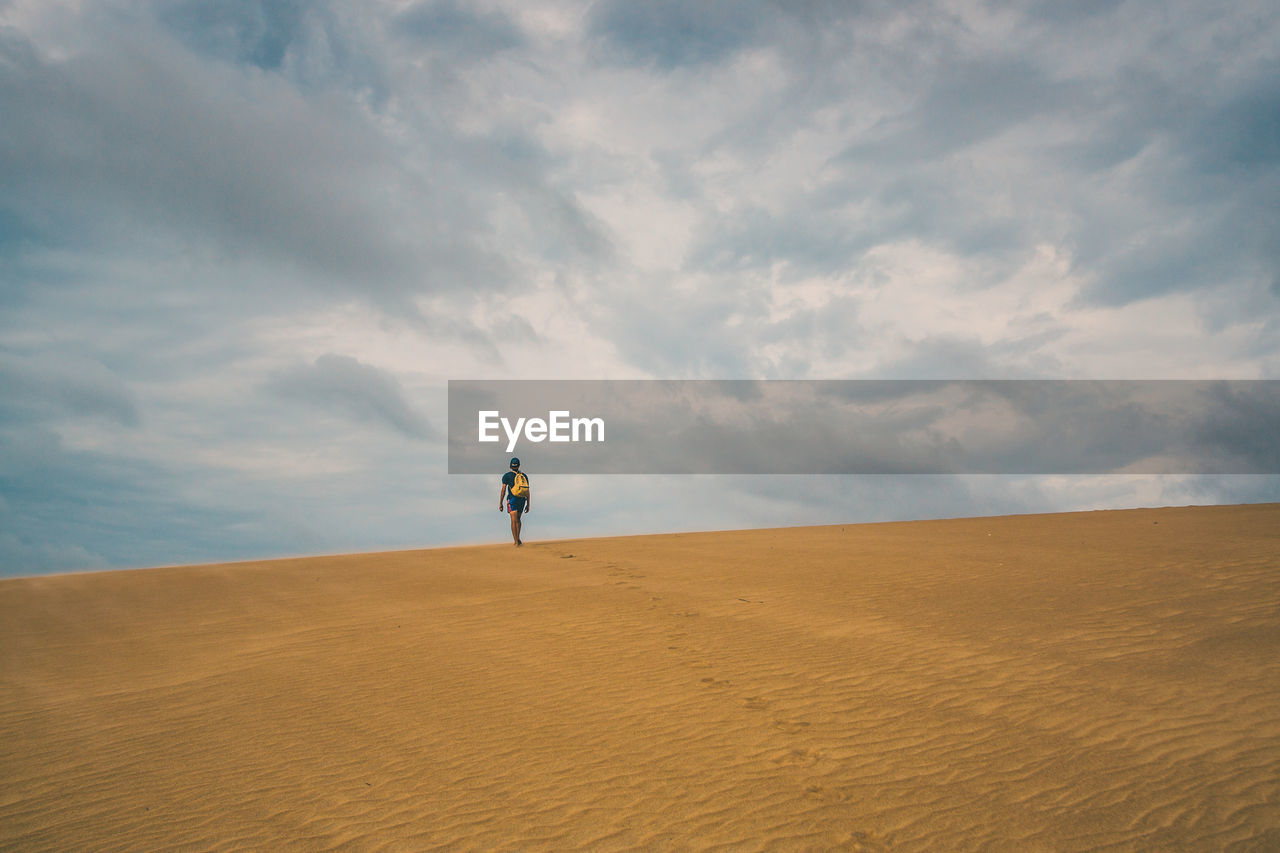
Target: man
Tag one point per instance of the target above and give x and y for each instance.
(515, 505)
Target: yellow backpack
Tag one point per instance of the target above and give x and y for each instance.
(520, 488)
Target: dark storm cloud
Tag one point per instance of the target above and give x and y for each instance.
(1054, 12)
(968, 101)
(458, 31)
(33, 391)
(317, 45)
(1230, 427)
(1202, 206)
(131, 138)
(342, 385)
(257, 32)
(76, 509)
(671, 34)
(1244, 132)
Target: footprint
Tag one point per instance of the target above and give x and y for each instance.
(791, 727)
(754, 703)
(797, 757)
(862, 842)
(715, 682)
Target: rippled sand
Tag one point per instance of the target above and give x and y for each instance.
(1087, 681)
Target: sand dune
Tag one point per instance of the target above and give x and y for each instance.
(1086, 681)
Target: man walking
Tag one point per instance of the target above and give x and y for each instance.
(515, 491)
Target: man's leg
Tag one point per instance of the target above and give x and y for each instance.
(515, 526)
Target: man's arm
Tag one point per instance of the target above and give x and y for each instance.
(502, 493)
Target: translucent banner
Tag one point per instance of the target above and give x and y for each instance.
(866, 426)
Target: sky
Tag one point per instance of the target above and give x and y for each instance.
(244, 246)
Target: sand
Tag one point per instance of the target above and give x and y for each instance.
(1087, 681)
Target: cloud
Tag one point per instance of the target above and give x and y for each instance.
(341, 384)
(78, 509)
(249, 31)
(1229, 426)
(19, 557)
(47, 389)
(203, 204)
(458, 32)
(319, 46)
(131, 137)
(971, 101)
(1152, 167)
(671, 34)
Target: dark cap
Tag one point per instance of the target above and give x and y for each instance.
(515, 463)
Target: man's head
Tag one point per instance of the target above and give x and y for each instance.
(515, 464)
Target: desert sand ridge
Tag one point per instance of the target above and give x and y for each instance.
(1106, 680)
